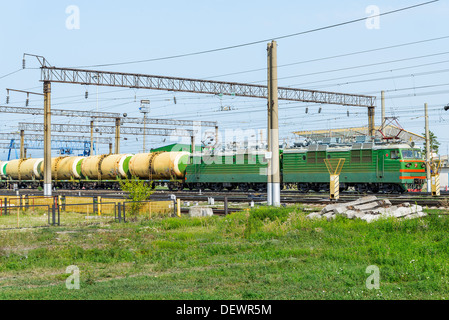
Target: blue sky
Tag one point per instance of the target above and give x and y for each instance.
(119, 31)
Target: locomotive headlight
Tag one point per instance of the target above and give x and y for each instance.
(408, 165)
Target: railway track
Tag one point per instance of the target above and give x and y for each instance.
(287, 196)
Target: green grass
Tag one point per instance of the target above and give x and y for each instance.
(261, 254)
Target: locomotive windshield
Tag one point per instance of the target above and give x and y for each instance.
(411, 154)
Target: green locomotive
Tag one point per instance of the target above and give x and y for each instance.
(244, 171)
(367, 167)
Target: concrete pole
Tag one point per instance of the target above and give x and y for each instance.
(371, 123)
(192, 141)
(216, 136)
(429, 186)
(383, 106)
(47, 139)
(117, 136)
(22, 144)
(144, 130)
(269, 150)
(92, 138)
(274, 128)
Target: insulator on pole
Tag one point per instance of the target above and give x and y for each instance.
(348, 113)
(307, 110)
(174, 100)
(319, 110)
(27, 100)
(86, 95)
(23, 63)
(7, 99)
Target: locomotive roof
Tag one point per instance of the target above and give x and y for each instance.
(359, 146)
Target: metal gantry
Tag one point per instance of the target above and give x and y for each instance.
(39, 127)
(58, 138)
(142, 81)
(39, 145)
(59, 112)
(107, 117)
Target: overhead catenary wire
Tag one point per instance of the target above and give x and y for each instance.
(260, 41)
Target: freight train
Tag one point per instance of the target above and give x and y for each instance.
(368, 167)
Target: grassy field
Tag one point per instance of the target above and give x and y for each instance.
(261, 254)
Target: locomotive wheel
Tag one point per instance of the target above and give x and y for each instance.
(374, 188)
(217, 187)
(243, 187)
(361, 188)
(303, 187)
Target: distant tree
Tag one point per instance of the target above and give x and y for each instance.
(434, 144)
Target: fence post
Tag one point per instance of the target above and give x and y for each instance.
(63, 203)
(6, 206)
(178, 207)
(124, 212)
(94, 205)
(226, 205)
(53, 214)
(18, 216)
(27, 202)
(119, 212)
(21, 203)
(99, 205)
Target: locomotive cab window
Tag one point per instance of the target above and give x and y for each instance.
(394, 154)
(411, 154)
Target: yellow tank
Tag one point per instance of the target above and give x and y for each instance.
(66, 168)
(159, 166)
(25, 169)
(106, 167)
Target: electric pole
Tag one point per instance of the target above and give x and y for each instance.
(429, 187)
(273, 127)
(47, 139)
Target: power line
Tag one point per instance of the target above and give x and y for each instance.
(387, 78)
(11, 73)
(331, 57)
(260, 41)
(359, 66)
(368, 74)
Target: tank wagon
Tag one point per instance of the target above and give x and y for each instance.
(99, 172)
(24, 172)
(3, 175)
